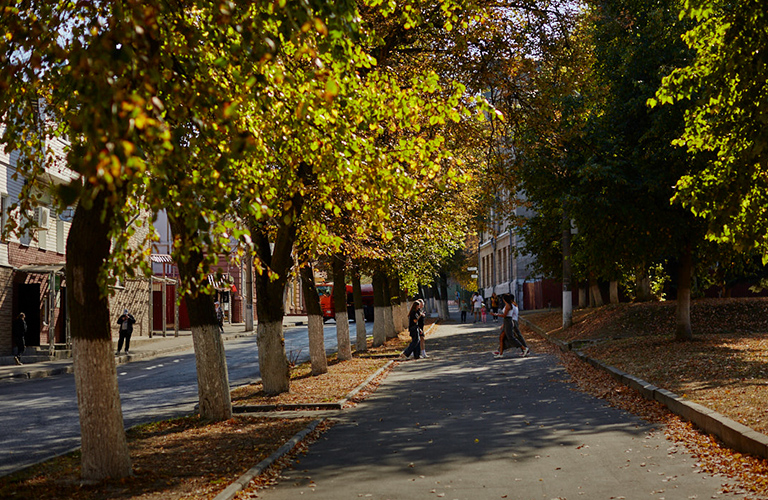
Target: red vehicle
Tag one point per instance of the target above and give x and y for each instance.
(325, 291)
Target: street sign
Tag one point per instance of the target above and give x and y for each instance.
(475, 276)
(471, 269)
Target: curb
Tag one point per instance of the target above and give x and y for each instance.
(735, 435)
(312, 406)
(242, 482)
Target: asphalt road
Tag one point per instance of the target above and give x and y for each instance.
(461, 425)
(39, 417)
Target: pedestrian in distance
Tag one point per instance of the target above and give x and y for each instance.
(484, 313)
(219, 316)
(19, 331)
(477, 304)
(126, 321)
(413, 330)
(494, 305)
(422, 337)
(510, 335)
(464, 308)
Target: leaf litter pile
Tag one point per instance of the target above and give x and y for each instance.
(724, 368)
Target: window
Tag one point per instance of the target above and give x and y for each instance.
(25, 238)
(42, 221)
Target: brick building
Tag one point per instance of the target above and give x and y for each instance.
(32, 263)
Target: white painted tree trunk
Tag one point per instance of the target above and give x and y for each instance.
(380, 332)
(361, 340)
(317, 356)
(404, 308)
(273, 364)
(101, 416)
(212, 376)
(444, 312)
(392, 332)
(342, 336)
(567, 308)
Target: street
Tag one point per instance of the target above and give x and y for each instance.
(40, 416)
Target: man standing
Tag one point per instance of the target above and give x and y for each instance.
(19, 332)
(219, 316)
(126, 321)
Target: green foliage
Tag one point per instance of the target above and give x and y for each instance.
(726, 85)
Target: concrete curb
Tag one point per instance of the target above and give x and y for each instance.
(242, 482)
(312, 406)
(735, 435)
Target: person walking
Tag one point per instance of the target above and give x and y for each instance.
(464, 309)
(494, 305)
(219, 316)
(477, 304)
(510, 335)
(19, 332)
(413, 330)
(126, 321)
(516, 326)
(422, 336)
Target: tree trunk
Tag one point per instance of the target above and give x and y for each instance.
(643, 282)
(361, 343)
(438, 299)
(248, 265)
(270, 309)
(317, 356)
(103, 442)
(210, 358)
(567, 274)
(425, 296)
(583, 298)
(340, 304)
(211, 363)
(380, 305)
(614, 292)
(683, 329)
(444, 312)
(389, 317)
(594, 292)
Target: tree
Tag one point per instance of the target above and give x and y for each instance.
(632, 158)
(318, 360)
(722, 89)
(101, 67)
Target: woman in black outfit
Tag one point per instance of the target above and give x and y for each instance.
(413, 329)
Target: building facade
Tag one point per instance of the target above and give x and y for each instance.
(32, 262)
(505, 267)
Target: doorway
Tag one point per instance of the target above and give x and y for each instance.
(29, 304)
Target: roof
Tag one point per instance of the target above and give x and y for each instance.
(42, 268)
(161, 258)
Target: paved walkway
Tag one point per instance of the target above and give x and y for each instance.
(141, 348)
(462, 425)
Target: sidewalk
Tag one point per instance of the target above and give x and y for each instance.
(141, 348)
(463, 425)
